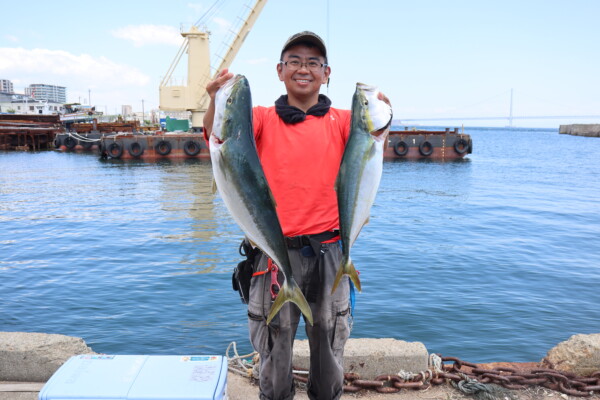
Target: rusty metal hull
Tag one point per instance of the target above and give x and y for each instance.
(154, 146)
(410, 145)
(28, 132)
(425, 144)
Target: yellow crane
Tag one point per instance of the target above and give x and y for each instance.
(193, 96)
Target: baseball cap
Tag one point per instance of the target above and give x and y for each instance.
(306, 36)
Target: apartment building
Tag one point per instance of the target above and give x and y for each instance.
(47, 92)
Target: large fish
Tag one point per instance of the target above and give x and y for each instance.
(360, 171)
(242, 184)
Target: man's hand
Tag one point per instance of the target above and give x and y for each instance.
(383, 98)
(212, 88)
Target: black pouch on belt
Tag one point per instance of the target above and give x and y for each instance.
(242, 274)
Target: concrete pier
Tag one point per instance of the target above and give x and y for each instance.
(589, 130)
(27, 360)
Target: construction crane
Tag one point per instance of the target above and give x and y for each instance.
(193, 96)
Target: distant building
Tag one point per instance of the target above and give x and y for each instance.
(126, 111)
(24, 104)
(6, 86)
(47, 92)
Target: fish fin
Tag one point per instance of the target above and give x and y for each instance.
(290, 292)
(214, 186)
(346, 268)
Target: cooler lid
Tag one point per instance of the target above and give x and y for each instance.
(93, 377)
(138, 377)
(188, 377)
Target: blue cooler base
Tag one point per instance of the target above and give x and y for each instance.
(96, 377)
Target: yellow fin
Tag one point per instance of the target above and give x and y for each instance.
(290, 292)
(346, 268)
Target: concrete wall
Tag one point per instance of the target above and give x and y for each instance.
(590, 130)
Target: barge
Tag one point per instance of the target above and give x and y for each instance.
(408, 144)
(156, 146)
(414, 144)
(28, 131)
(87, 136)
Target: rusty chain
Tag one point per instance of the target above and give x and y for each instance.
(460, 371)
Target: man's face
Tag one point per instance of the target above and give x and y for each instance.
(303, 82)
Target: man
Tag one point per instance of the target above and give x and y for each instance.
(300, 142)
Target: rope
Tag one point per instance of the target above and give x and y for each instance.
(87, 139)
(83, 138)
(237, 363)
(435, 362)
(481, 391)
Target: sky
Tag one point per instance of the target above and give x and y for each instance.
(433, 58)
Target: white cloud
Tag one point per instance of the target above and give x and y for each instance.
(59, 63)
(110, 82)
(142, 35)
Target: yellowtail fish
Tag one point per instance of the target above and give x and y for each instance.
(242, 184)
(360, 171)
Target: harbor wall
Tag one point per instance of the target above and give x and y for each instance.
(27, 360)
(589, 130)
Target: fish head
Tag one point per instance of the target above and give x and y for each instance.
(374, 114)
(233, 99)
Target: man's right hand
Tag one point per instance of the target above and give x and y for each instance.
(214, 85)
(212, 88)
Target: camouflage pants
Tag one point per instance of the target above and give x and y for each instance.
(327, 336)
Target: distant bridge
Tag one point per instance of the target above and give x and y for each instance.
(500, 118)
(509, 117)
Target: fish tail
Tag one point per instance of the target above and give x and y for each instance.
(346, 268)
(290, 292)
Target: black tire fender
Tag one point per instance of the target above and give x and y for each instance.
(135, 149)
(461, 146)
(191, 148)
(425, 148)
(400, 148)
(70, 143)
(115, 150)
(163, 147)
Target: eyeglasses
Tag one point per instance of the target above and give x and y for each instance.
(295, 65)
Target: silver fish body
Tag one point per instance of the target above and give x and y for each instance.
(360, 171)
(241, 182)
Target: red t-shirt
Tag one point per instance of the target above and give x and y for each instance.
(301, 163)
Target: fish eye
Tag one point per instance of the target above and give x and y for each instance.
(229, 100)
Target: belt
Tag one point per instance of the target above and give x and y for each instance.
(298, 242)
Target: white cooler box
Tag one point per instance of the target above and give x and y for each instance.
(137, 377)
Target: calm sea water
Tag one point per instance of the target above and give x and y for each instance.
(493, 258)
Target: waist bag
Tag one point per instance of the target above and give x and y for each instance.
(242, 273)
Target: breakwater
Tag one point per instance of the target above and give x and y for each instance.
(589, 130)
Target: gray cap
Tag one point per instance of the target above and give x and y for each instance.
(306, 36)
